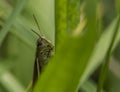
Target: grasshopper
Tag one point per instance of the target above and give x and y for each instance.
(43, 52)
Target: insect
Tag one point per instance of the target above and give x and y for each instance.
(43, 53)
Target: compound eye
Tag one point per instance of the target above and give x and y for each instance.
(39, 42)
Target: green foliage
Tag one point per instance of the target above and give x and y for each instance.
(11, 19)
(62, 76)
(76, 56)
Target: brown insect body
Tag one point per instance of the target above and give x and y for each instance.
(43, 53)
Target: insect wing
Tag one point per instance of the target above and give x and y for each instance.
(36, 72)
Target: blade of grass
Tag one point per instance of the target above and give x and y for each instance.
(73, 15)
(8, 80)
(117, 2)
(101, 50)
(23, 32)
(11, 83)
(16, 11)
(66, 68)
(89, 86)
(60, 20)
(105, 65)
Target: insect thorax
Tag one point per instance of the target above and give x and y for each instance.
(44, 49)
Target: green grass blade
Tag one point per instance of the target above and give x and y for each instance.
(105, 65)
(73, 14)
(89, 86)
(8, 80)
(60, 20)
(16, 11)
(117, 6)
(101, 50)
(66, 68)
(11, 83)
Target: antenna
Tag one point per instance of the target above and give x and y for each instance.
(36, 33)
(36, 22)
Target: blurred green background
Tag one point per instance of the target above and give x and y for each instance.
(80, 30)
